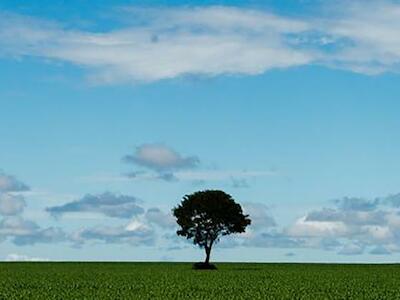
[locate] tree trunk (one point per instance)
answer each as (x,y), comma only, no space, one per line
(208,251)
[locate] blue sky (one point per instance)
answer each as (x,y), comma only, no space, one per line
(112,111)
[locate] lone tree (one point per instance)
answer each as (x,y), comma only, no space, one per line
(205,216)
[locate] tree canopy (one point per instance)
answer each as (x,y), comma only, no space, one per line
(205,216)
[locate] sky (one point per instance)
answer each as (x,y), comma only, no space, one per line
(112,111)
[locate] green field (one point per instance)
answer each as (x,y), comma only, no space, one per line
(178,281)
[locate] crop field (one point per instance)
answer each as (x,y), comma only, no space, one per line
(178,281)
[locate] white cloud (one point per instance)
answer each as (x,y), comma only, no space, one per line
(11,204)
(136,225)
(206,41)
(379,233)
(17,226)
(137,232)
(9,183)
(358,223)
(353,226)
(13,226)
(134,233)
(369,34)
(156,216)
(304,228)
(21,257)
(261,218)
(393,220)
(217,17)
(25,232)
(160,158)
(167,43)
(161,162)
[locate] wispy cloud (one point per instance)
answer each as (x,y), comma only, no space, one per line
(166,43)
(365,35)
(173,42)
(205,41)
(220,175)
(161,162)
(194,176)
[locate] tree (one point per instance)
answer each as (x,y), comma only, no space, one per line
(205,216)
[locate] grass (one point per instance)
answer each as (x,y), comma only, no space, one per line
(177,281)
